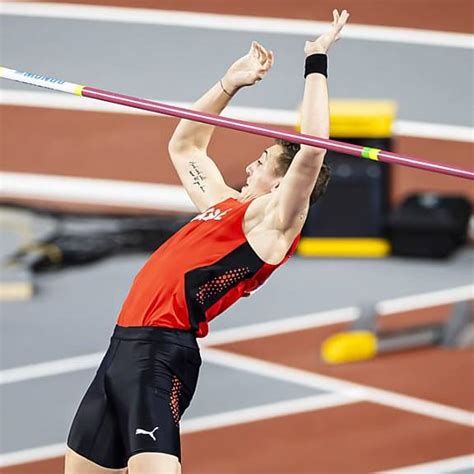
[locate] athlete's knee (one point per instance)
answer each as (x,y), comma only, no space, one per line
(154,463)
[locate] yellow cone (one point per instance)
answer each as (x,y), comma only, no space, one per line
(349,346)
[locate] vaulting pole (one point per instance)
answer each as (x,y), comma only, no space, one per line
(219,121)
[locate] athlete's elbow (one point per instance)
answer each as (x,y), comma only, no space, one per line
(178,147)
(312,156)
(175,146)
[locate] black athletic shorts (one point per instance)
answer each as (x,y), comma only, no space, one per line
(142,387)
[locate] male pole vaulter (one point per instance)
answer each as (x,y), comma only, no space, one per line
(128,421)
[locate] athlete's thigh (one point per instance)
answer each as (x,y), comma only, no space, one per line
(154,463)
(94,432)
(77,464)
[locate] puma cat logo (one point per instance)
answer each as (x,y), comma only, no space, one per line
(150,433)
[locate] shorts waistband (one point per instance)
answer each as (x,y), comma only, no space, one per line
(155,333)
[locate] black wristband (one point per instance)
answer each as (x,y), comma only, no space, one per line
(316,63)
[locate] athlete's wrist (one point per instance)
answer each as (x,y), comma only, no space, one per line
(228,87)
(316,63)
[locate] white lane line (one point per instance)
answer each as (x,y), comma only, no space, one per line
(325,318)
(33,454)
(210,422)
(280,117)
(280,326)
(96,191)
(444,466)
(268,411)
(435,131)
(48,369)
(313,380)
(52,100)
(425,300)
(252,331)
(236,23)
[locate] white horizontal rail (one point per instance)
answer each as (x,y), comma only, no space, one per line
(163,197)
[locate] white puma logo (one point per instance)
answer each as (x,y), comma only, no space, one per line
(150,433)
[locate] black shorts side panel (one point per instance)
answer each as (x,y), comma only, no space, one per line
(142,388)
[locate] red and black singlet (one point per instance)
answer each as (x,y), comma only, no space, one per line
(198,273)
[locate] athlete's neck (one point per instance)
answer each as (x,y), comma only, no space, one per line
(246,196)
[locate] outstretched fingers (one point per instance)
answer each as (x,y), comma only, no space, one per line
(341,19)
(339,22)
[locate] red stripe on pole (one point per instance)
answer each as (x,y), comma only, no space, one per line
(240,125)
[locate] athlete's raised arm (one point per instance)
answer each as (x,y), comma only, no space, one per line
(293,194)
(188,145)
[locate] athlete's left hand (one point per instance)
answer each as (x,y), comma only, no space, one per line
(326,40)
(249,69)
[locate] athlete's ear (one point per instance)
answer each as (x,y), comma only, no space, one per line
(275,186)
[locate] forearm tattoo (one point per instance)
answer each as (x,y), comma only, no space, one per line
(197,175)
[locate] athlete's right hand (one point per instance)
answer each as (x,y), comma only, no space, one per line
(249,69)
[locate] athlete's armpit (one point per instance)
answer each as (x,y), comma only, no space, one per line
(197,175)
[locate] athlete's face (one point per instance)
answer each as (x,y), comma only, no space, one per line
(262,175)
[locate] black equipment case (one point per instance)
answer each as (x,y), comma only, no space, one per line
(429,225)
